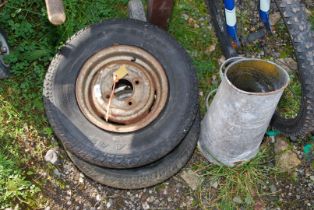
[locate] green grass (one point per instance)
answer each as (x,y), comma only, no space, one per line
(33,42)
(185,26)
(290,103)
(15,189)
(244,181)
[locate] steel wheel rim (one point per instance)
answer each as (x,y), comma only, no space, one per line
(139,97)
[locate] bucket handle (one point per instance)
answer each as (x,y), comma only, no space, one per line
(208,96)
(222,69)
(226,63)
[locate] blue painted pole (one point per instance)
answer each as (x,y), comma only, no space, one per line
(264,13)
(231,20)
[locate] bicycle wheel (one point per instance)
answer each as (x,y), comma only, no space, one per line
(4,50)
(292,40)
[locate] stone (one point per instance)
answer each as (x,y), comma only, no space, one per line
(211,48)
(150,199)
(281,145)
(192,179)
(312,178)
(156,202)
(287,161)
(101,207)
(136,10)
(273,188)
(221,60)
(274,18)
(52,156)
(67,168)
(237,200)
(191,22)
(109,203)
(214,184)
(145,206)
(98,197)
(81,178)
(56,172)
(185,16)
(308,12)
(69,192)
(259,205)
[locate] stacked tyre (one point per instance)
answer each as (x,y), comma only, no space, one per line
(122,98)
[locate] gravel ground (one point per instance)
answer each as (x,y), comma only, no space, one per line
(294,191)
(81,192)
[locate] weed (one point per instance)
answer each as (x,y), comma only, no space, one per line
(290,104)
(33,42)
(243,181)
(190,26)
(15,189)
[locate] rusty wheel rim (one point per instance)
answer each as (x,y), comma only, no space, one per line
(139,97)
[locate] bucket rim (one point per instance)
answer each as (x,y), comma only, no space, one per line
(227,63)
(256,93)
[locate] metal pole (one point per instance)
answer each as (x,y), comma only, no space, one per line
(231,20)
(264,13)
(159,12)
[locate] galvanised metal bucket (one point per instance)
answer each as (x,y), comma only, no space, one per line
(237,119)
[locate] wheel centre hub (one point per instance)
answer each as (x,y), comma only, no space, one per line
(132,102)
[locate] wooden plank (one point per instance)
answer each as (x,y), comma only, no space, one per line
(159,12)
(55,10)
(3,2)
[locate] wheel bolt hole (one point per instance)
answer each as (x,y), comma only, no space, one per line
(130,103)
(107,96)
(137,82)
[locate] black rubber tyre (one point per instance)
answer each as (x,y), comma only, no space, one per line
(148,175)
(121,150)
(302,38)
(4,68)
